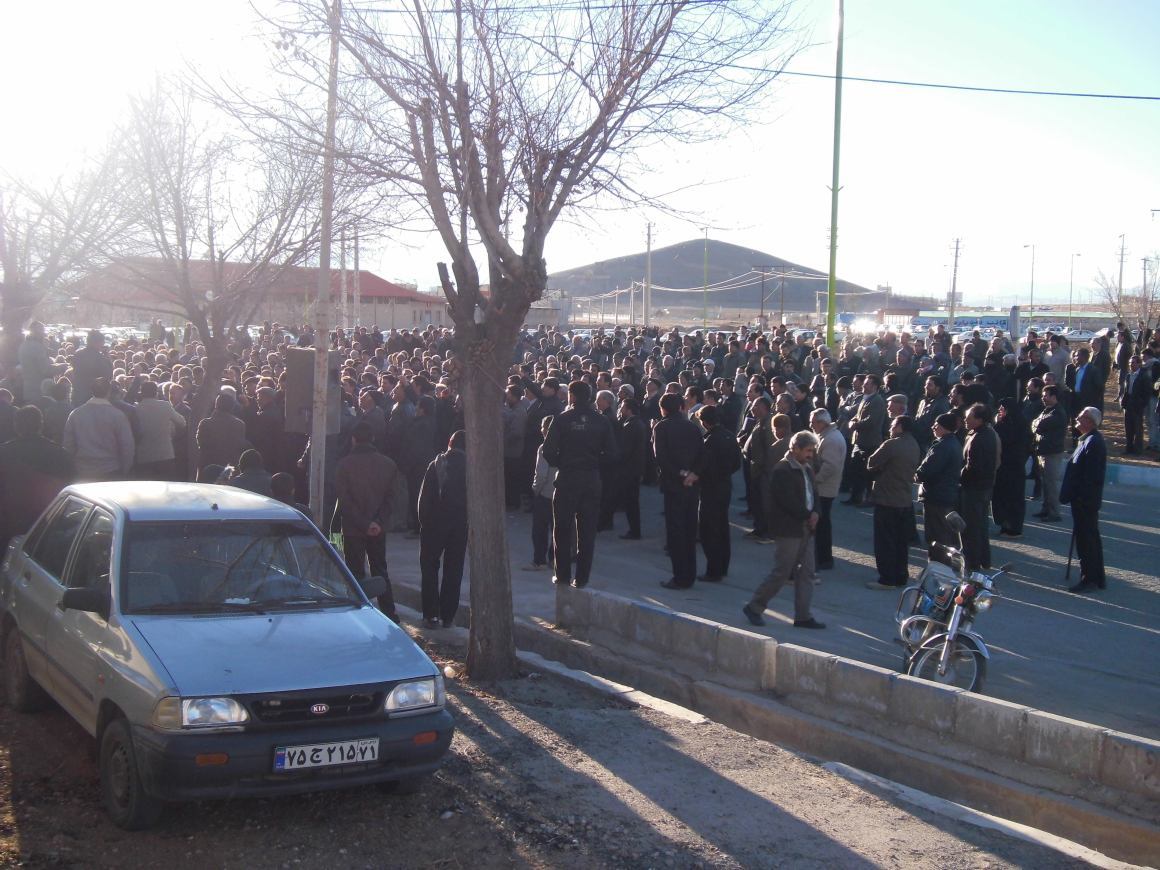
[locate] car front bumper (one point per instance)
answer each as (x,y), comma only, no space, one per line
(170,769)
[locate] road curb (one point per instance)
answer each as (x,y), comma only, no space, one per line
(924,751)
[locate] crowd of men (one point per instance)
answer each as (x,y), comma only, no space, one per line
(590,418)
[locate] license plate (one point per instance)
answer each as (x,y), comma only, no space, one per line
(287,758)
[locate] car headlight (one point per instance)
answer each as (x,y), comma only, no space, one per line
(416,695)
(176,713)
(983,601)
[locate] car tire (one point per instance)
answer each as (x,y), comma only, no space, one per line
(129,806)
(402,787)
(23,692)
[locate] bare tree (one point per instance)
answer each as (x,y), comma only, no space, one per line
(1139,304)
(495,119)
(51,234)
(220,219)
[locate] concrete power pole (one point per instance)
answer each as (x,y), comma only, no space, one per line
(646,293)
(1120,282)
(954,290)
(322,303)
(357,291)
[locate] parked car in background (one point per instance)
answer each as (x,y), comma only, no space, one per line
(215,646)
(1079,335)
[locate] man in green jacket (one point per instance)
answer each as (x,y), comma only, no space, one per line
(891,469)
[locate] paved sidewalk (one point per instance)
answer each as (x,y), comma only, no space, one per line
(1094,658)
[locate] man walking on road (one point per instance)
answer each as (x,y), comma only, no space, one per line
(680,455)
(1083,489)
(365,481)
(578,442)
(443,531)
(792,522)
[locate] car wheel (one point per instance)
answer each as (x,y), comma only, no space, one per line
(24,694)
(407,785)
(125,799)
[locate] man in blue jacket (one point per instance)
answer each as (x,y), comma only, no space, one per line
(1083,489)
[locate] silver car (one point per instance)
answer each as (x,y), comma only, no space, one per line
(215,646)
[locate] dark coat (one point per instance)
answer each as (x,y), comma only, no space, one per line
(418,448)
(678,447)
(1091,390)
(32,471)
(580,441)
(1014,444)
(221,438)
(1083,478)
(788,512)
(938,473)
(891,468)
(443,493)
(1050,430)
(365,483)
(980,459)
(267,432)
(632,439)
(722,461)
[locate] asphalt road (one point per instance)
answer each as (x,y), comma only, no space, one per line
(1095,658)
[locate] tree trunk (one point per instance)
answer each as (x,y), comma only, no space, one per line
(491,653)
(16,307)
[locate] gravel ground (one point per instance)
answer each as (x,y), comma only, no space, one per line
(542,773)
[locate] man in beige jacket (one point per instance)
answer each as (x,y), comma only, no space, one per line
(891,470)
(828,465)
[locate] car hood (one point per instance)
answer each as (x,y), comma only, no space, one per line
(281,652)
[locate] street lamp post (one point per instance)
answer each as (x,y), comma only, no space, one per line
(1070,289)
(1031,301)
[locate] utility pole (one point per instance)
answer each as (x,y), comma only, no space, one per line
(705,286)
(1031,302)
(781,314)
(616,309)
(342,282)
(832,288)
(318,427)
(1120,282)
(954,290)
(646,294)
(357,291)
(761,316)
(1070,289)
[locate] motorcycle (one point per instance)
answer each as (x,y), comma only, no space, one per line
(936,619)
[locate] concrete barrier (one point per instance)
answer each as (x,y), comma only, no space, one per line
(701,650)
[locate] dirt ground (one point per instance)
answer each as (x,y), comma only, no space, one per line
(542,773)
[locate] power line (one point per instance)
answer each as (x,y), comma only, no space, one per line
(571,6)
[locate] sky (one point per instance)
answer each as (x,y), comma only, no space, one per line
(919,167)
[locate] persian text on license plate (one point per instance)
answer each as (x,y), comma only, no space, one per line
(288,758)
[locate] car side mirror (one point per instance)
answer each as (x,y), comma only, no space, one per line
(373,586)
(89,600)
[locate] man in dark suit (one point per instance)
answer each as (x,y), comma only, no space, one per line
(866,428)
(976,484)
(792,523)
(1135,391)
(722,460)
(632,439)
(1086,381)
(1083,489)
(680,457)
(443,531)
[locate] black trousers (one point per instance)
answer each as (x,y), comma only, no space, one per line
(715,532)
(414,482)
(575,508)
(681,533)
(1088,545)
(824,534)
(757,500)
(1134,428)
(974,506)
(620,491)
(1008,501)
(441,595)
(856,475)
(541,529)
(937,531)
(892,544)
(357,551)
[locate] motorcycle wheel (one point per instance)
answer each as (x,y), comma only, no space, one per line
(966,667)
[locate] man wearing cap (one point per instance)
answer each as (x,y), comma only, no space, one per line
(1083,489)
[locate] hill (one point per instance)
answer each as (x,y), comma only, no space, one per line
(737,271)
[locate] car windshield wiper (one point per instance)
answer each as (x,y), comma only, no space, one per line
(201,607)
(323,600)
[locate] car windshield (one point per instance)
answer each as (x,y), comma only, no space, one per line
(224,566)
